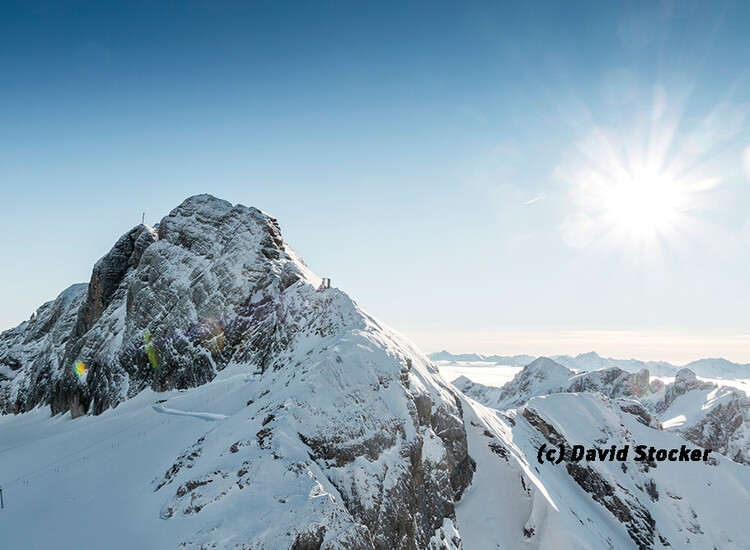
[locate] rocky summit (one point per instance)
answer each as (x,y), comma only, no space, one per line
(167,307)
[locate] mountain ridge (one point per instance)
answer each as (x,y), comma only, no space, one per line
(708,367)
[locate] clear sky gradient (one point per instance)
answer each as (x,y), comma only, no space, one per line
(472,173)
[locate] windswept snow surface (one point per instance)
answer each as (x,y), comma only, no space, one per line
(73,477)
(514,502)
(517,503)
(87,483)
(302,422)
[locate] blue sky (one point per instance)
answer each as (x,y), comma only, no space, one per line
(469,172)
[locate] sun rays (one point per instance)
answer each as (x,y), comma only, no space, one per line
(638,190)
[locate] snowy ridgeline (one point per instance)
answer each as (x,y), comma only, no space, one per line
(223,400)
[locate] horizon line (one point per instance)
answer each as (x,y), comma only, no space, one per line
(678,346)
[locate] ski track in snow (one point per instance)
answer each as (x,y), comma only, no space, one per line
(10,448)
(207,416)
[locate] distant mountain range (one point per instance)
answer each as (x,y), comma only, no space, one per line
(707,368)
(511,360)
(712,416)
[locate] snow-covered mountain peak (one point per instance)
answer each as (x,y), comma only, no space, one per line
(341,418)
(213,228)
(539,377)
(302,422)
(166,307)
(685,376)
(546,367)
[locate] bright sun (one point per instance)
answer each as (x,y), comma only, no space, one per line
(640,193)
(643,205)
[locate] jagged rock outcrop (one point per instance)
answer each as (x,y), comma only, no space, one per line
(629,490)
(684,381)
(310,425)
(613,382)
(592,361)
(545,376)
(714,417)
(593,503)
(166,307)
(30,358)
(724,427)
(109,272)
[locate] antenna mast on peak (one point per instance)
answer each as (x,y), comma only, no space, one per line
(143,219)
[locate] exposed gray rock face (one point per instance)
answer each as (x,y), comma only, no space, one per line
(29,353)
(716,417)
(163,309)
(724,428)
(109,272)
(342,407)
(639,495)
(684,382)
(612,382)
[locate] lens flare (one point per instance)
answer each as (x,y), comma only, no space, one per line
(80,369)
(212,334)
(151,351)
(636,201)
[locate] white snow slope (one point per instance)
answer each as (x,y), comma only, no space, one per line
(517,503)
(243,478)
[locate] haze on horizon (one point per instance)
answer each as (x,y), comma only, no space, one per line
(533,178)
